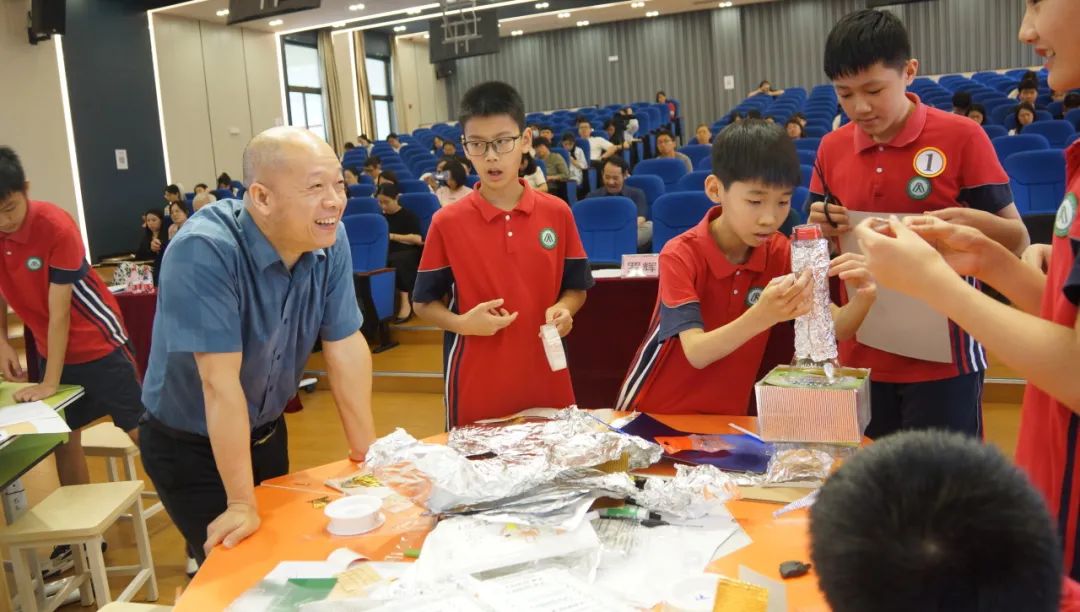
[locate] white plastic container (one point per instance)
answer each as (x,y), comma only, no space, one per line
(354,515)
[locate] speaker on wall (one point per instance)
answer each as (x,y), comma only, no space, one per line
(45,19)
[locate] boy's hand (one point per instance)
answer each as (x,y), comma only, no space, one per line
(837,213)
(1038,256)
(964,248)
(960,215)
(561,318)
(35,393)
(486,319)
(898,258)
(9,364)
(851,268)
(785,298)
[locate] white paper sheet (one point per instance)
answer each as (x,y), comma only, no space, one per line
(30,418)
(898,323)
(548,590)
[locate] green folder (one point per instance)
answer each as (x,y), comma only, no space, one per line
(20,453)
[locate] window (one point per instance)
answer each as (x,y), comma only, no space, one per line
(304,86)
(380,86)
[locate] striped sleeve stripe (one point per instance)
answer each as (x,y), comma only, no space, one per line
(639,370)
(86,295)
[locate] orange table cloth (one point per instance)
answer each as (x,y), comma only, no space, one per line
(293,529)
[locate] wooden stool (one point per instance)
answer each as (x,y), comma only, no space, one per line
(109,441)
(79,515)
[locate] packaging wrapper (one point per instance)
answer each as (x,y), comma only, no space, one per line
(800,405)
(134,278)
(693,493)
(543,472)
(815,334)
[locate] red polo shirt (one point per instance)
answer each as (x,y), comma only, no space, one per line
(1049,444)
(49,249)
(938,160)
(528,256)
(701,289)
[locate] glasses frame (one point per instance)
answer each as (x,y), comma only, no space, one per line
(489,145)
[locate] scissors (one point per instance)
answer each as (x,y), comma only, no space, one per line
(829,197)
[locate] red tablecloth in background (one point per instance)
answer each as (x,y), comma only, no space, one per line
(609,329)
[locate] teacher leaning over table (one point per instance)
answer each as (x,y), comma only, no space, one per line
(246,289)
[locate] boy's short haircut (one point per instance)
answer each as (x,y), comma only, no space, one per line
(172,189)
(546,127)
(862,39)
(931,520)
(349,146)
(203,185)
(540,141)
(979,108)
(389,175)
(392,135)
(389,190)
(581,120)
(753,114)
(12,175)
(1028,84)
(961,99)
(1071,101)
(568,136)
(754,150)
(664,132)
(224,179)
(372,161)
(619,162)
(492,98)
(609,124)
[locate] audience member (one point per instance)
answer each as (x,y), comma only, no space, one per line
(179,216)
(201,187)
(614,136)
(203,199)
(1071,102)
(532,173)
(350,175)
(437,145)
(931,520)
(734,117)
(373,167)
(224,181)
(961,102)
(977,113)
(405,246)
(1025,116)
(455,187)
(394,141)
(1028,92)
(801,118)
(661,98)
(348,146)
(172,194)
(578,163)
(386,176)
(449,151)
(765,88)
(628,123)
(753,114)
(614,176)
(154,240)
(556,171)
(794,128)
(1057,96)
(365,142)
(599,148)
(547,133)
(702,135)
(665,147)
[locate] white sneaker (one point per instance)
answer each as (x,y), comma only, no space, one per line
(192,567)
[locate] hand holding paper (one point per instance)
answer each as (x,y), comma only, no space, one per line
(836,213)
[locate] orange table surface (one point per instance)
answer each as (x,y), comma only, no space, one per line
(294,530)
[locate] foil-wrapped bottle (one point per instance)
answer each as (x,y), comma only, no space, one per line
(815,334)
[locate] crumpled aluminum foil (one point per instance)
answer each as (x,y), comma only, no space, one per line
(815,334)
(693,493)
(538,472)
(795,464)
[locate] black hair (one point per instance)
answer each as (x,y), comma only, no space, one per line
(1071,101)
(764,82)
(864,38)
(457,171)
(795,121)
(753,114)
(389,190)
(734,116)
(349,146)
(962,99)
(160,216)
(172,189)
(449,142)
(931,520)
(978,108)
(582,119)
(754,150)
(530,165)
(492,98)
(798,115)
(540,140)
(350,169)
(1016,114)
(372,161)
(547,127)
(224,179)
(619,162)
(609,124)
(1029,75)
(203,185)
(1027,84)
(567,136)
(389,175)
(12,175)
(363,137)
(660,93)
(393,135)
(664,132)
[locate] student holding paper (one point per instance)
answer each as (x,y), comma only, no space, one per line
(900,156)
(1039,334)
(725,283)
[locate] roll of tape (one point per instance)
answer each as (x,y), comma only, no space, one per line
(354,515)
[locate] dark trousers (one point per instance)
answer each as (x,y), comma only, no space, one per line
(952,404)
(405,262)
(181,465)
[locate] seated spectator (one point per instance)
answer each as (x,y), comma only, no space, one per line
(1071,102)
(578,163)
(961,103)
(765,89)
(349,146)
(702,135)
(614,135)
(386,176)
(179,216)
(405,246)
(801,118)
(1025,116)
(203,199)
(929,520)
(977,113)
(547,133)
(455,187)
(365,142)
(661,98)
(735,117)
(628,123)
(201,187)
(615,172)
(794,128)
(557,172)
(665,147)
(173,195)
(394,142)
(224,181)
(753,114)
(155,239)
(1057,96)
(599,148)
(532,173)
(449,151)
(1028,93)
(437,145)
(351,177)
(373,167)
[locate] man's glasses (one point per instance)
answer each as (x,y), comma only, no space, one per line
(478,148)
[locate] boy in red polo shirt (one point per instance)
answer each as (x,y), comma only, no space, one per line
(46,280)
(1039,334)
(725,283)
(900,156)
(498,265)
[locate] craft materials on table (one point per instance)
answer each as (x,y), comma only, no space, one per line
(31,418)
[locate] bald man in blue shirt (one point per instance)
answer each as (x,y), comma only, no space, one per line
(246,289)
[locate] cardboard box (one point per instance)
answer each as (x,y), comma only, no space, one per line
(792,413)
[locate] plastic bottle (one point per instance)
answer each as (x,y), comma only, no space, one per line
(815,334)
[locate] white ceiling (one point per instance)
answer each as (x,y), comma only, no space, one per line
(383,13)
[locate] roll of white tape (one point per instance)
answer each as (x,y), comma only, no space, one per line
(354,515)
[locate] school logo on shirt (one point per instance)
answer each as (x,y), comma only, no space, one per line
(930,162)
(753,296)
(33,264)
(548,238)
(1066,214)
(918,188)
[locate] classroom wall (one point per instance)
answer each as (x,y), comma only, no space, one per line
(688,54)
(419,97)
(219,87)
(343,64)
(32,119)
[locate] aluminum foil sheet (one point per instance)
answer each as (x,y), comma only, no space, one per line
(815,335)
(795,463)
(693,493)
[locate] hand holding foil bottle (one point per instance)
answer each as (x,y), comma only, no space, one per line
(815,335)
(784,298)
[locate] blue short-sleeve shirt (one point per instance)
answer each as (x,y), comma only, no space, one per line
(224,289)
